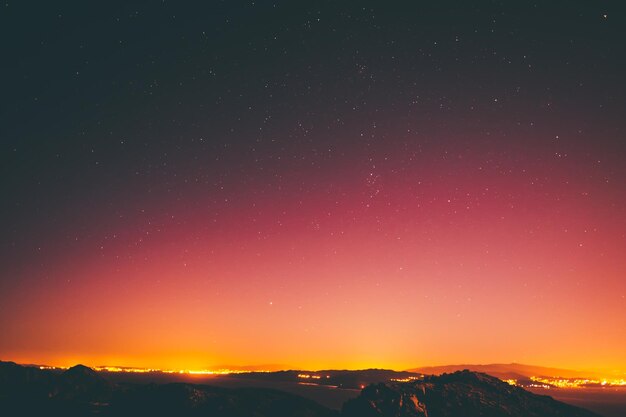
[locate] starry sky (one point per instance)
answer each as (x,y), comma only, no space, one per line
(329,184)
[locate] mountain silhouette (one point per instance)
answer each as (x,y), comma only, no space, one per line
(80,383)
(180,399)
(81,371)
(81,391)
(463,393)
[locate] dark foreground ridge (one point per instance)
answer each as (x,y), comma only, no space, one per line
(459,394)
(80,391)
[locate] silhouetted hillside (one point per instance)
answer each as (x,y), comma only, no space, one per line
(204,400)
(462,393)
(80,391)
(81,383)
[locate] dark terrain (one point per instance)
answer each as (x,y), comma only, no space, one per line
(78,391)
(337,378)
(462,393)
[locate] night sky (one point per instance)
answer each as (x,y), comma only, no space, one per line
(329,184)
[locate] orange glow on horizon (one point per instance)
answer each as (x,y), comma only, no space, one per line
(395,284)
(537,382)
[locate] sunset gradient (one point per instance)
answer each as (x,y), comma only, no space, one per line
(380,220)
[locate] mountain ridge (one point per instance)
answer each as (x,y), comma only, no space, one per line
(80,391)
(462,393)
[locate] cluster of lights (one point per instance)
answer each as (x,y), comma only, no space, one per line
(118,369)
(544,386)
(215,372)
(206,371)
(577,383)
(547,383)
(407,379)
(311,376)
(156,370)
(537,382)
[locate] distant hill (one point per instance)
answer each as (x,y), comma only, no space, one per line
(463,393)
(80,383)
(504,371)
